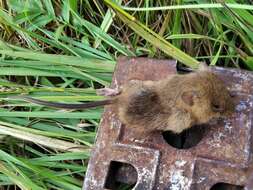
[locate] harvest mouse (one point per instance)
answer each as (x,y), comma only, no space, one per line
(174,103)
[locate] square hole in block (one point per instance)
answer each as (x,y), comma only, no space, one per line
(120,176)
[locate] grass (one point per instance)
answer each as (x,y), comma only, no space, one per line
(64,49)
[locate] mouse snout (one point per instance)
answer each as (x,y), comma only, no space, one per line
(230,106)
(227,110)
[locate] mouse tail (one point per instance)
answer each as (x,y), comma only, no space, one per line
(65,105)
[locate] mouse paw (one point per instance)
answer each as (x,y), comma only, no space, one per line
(108,92)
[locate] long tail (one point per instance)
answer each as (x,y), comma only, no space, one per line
(63,105)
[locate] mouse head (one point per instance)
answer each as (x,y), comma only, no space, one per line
(206,96)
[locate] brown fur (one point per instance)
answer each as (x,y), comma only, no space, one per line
(175,103)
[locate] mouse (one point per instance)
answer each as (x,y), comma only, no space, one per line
(175,103)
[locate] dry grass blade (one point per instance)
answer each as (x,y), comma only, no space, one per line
(42,140)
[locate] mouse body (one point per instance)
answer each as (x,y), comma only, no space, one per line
(175,103)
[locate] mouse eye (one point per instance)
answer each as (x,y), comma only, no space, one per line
(216,107)
(232,94)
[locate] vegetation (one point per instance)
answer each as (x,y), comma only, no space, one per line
(63,50)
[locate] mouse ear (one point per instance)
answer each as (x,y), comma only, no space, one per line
(203,67)
(188,97)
